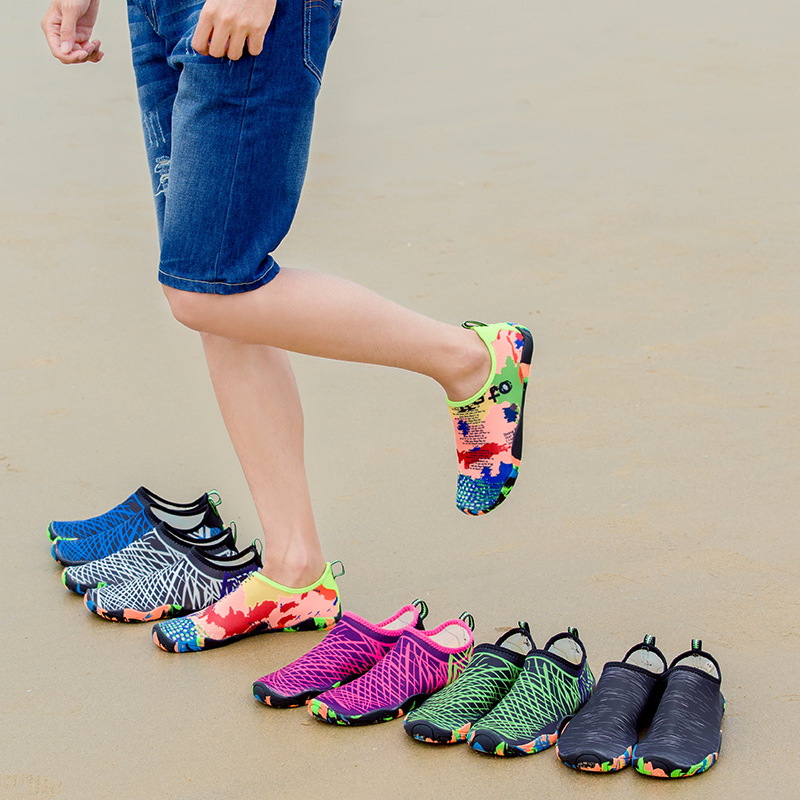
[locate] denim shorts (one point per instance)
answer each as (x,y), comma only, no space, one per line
(227,141)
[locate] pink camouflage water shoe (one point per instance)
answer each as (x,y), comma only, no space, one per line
(488,425)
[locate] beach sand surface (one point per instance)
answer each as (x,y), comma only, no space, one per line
(622,177)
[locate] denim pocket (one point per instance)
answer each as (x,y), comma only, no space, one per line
(320,18)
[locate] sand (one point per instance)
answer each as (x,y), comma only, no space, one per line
(621,177)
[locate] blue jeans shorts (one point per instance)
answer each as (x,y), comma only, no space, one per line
(227,141)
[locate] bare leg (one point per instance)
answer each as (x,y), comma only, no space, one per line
(322,315)
(258,397)
(245,337)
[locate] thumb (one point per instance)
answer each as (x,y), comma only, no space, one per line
(69,20)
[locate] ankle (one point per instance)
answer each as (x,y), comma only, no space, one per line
(294,572)
(468,368)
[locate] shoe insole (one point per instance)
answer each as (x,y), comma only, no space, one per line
(451,636)
(518,643)
(405,619)
(568,649)
(699,662)
(180,521)
(646,659)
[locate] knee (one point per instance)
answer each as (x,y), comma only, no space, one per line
(191,309)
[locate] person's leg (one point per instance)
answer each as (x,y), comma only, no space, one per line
(240,139)
(326,316)
(258,398)
(257,395)
(484,370)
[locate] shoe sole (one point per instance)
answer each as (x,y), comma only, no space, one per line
(516,446)
(589,763)
(432,734)
(72,585)
(79,588)
(65,562)
(268,697)
(54,537)
(134,615)
(168,645)
(321,711)
(651,770)
(493,745)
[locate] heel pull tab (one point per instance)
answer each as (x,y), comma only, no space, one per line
(257,545)
(523,630)
(422,607)
(214,499)
(526,631)
(573,632)
(339,566)
(697,645)
(469,619)
(649,641)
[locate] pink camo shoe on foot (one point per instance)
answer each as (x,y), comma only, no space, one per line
(488,425)
(421,663)
(257,605)
(353,646)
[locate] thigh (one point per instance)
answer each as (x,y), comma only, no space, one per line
(240,141)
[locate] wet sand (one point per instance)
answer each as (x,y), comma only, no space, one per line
(621,177)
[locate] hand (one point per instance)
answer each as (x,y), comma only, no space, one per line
(225,26)
(67,26)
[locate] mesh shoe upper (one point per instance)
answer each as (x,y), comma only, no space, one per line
(81,551)
(191,583)
(352,646)
(549,688)
(156,549)
(447,715)
(416,666)
(81,528)
(141,499)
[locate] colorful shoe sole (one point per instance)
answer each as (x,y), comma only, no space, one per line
(486,744)
(656,771)
(271,698)
(133,615)
(170,646)
(322,712)
(430,733)
(589,764)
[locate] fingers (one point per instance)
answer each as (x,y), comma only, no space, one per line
(236,44)
(88,51)
(54,42)
(229,27)
(95,54)
(81,52)
(69,21)
(255,43)
(202,33)
(67,27)
(218,38)
(51,25)
(77,56)
(218,46)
